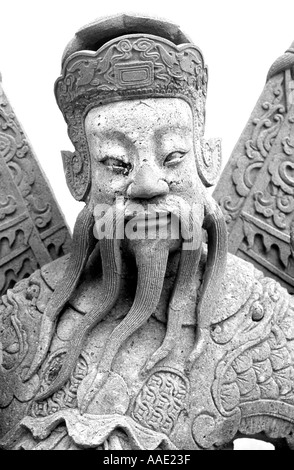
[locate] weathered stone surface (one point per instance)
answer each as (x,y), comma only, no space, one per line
(256,188)
(32,228)
(143,337)
(242,383)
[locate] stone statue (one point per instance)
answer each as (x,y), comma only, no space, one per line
(145,336)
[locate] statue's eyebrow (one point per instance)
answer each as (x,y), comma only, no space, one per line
(179,129)
(128,142)
(117,135)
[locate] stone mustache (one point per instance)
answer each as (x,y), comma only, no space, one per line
(137,342)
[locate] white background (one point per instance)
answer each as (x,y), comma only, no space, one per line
(239,40)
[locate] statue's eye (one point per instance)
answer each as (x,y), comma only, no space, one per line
(174,158)
(117,165)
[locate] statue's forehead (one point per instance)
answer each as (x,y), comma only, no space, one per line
(154,114)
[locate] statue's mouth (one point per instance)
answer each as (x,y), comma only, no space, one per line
(149,219)
(171,219)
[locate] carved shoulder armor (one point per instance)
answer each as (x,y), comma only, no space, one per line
(249,363)
(21,310)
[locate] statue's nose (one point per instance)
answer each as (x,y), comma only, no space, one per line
(147,184)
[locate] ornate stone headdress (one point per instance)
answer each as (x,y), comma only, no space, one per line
(96,71)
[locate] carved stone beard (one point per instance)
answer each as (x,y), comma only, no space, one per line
(151,260)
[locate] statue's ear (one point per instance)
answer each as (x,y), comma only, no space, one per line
(77,174)
(208,159)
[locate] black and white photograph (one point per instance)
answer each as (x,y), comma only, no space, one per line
(147,228)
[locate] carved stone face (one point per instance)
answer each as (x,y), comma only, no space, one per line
(142,150)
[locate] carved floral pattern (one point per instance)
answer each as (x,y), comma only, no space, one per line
(256,149)
(7,207)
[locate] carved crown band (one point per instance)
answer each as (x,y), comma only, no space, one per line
(128,67)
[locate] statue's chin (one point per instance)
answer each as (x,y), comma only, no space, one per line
(172,245)
(156,233)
